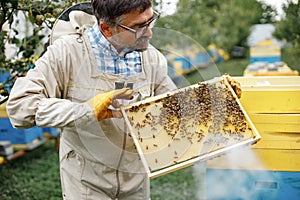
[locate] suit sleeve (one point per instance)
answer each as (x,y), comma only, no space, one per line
(38,98)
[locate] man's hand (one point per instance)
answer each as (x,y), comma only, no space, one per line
(101,102)
(236,86)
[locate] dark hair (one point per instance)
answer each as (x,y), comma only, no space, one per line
(110,10)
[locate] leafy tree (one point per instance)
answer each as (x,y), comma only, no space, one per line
(289,27)
(226,23)
(269,14)
(194,18)
(39,17)
(234,22)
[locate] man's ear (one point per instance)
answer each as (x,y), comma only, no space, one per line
(106,30)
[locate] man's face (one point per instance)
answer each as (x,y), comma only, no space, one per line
(133,32)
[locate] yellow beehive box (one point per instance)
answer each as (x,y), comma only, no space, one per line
(278,140)
(270,94)
(280,81)
(284,123)
(265,48)
(3,113)
(279,159)
(282,71)
(272,104)
(278,131)
(263,100)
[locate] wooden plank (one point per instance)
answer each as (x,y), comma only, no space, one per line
(30,146)
(15,155)
(278,94)
(285,123)
(277,140)
(268,82)
(267,101)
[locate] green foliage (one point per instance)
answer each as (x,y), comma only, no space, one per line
(194,19)
(39,17)
(225,23)
(269,15)
(289,28)
(234,21)
(179,185)
(291,56)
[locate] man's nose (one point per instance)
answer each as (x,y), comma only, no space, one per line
(148,32)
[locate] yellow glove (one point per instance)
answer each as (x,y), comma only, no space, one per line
(236,86)
(101,102)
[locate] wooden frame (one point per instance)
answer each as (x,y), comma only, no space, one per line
(176,129)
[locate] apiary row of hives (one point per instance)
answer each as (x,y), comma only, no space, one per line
(198,122)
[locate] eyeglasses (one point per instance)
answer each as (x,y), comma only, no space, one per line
(139,32)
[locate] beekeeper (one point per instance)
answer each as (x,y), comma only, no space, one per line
(77,83)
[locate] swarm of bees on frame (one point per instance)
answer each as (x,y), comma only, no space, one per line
(193,113)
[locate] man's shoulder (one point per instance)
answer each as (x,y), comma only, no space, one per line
(70,42)
(153,51)
(70,39)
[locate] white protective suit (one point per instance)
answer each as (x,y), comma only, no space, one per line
(97,159)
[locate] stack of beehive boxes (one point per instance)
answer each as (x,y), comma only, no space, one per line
(270,168)
(19,138)
(265,51)
(273,104)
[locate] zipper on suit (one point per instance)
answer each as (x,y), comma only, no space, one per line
(118,184)
(117,171)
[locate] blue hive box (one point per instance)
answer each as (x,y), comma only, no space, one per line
(225,184)
(18,136)
(54,132)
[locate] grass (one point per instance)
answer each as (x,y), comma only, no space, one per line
(35,176)
(234,67)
